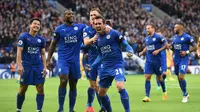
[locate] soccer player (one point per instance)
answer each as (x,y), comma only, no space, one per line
(31,61)
(198,50)
(154,45)
(90,37)
(163,64)
(180,44)
(110,56)
(69,38)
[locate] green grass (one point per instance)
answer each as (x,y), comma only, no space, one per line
(134,86)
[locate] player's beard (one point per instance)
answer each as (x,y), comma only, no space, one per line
(176,32)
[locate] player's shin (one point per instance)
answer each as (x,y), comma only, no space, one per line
(125,100)
(91,94)
(72,99)
(20,100)
(106,103)
(39,100)
(61,96)
(147,87)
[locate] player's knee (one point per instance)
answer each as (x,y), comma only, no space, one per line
(93,85)
(63,82)
(22,90)
(120,86)
(181,77)
(102,93)
(40,89)
(148,77)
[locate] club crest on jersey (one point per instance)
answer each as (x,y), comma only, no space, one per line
(84,34)
(108,36)
(39,40)
(76,28)
(20,42)
(182,38)
(154,39)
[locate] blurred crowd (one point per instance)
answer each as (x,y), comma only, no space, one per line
(15,16)
(127,15)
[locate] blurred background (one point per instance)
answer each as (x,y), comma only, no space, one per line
(127,16)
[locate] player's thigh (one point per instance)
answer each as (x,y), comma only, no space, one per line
(148,68)
(63,67)
(183,67)
(92,75)
(74,71)
(157,68)
(39,79)
(105,79)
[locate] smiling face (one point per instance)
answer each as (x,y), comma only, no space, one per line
(178,28)
(150,30)
(93,14)
(69,16)
(35,25)
(99,25)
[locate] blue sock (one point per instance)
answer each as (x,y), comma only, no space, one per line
(125,100)
(162,83)
(106,103)
(99,100)
(183,87)
(61,97)
(164,77)
(147,87)
(20,100)
(91,94)
(158,83)
(39,100)
(72,99)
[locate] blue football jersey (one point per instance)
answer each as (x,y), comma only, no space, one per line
(154,43)
(181,43)
(109,48)
(70,40)
(32,46)
(92,49)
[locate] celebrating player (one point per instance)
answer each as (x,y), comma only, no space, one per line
(155,44)
(31,61)
(180,44)
(112,63)
(69,38)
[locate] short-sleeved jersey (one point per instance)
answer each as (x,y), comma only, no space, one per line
(31,55)
(92,49)
(181,43)
(70,40)
(109,48)
(154,43)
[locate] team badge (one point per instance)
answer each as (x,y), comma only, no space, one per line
(75,28)
(39,40)
(182,39)
(20,42)
(108,36)
(154,39)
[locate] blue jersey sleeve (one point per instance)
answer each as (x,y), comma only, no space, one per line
(163,40)
(43,43)
(86,33)
(20,41)
(191,41)
(119,35)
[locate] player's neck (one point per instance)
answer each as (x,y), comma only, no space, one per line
(102,33)
(32,33)
(152,34)
(180,33)
(68,24)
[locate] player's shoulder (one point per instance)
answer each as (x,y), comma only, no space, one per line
(187,35)
(87,28)
(116,33)
(41,38)
(58,28)
(23,35)
(79,25)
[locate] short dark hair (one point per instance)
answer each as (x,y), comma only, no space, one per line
(37,19)
(96,9)
(152,25)
(101,17)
